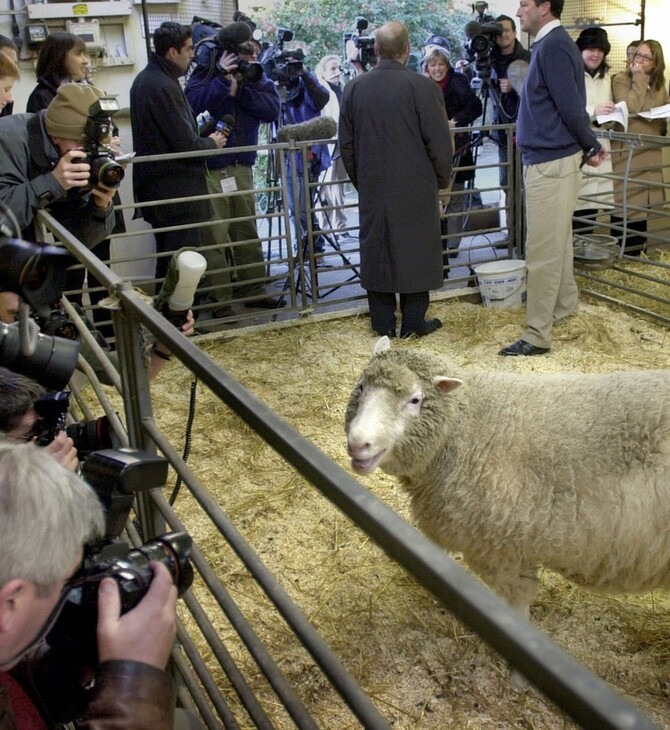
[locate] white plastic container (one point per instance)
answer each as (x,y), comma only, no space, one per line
(502,283)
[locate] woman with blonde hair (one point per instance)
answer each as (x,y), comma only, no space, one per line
(9,73)
(642,87)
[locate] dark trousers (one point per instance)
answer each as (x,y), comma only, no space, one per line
(171,241)
(382,311)
(582,227)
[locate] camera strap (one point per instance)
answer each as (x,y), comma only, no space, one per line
(40,163)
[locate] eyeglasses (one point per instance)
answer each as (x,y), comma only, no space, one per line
(643,57)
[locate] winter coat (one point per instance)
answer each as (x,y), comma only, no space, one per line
(647,160)
(463,107)
(396,147)
(27,184)
(163,122)
(253,104)
(42,94)
(594,180)
(126,694)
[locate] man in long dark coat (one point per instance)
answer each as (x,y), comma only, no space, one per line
(163,122)
(396,148)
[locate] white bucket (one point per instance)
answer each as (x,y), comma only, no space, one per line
(502,283)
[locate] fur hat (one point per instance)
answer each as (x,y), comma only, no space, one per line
(593,37)
(68,111)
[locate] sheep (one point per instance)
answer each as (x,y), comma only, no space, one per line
(518,471)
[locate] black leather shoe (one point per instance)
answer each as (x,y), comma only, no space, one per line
(265,303)
(521,347)
(426,328)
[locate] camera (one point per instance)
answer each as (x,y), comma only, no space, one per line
(87,436)
(364,44)
(282,66)
(104,168)
(116,475)
(215,40)
(480,41)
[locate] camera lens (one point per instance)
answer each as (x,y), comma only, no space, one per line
(106,171)
(89,436)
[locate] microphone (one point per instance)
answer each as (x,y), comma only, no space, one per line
(309,131)
(178,291)
(225,126)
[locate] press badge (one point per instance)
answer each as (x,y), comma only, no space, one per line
(228,185)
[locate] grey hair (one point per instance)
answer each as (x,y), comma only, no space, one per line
(47,514)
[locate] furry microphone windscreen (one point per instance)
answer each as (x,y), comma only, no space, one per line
(309,131)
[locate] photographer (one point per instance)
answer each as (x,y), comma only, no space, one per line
(62,514)
(506,50)
(305,98)
(41,167)
(18,417)
(228,82)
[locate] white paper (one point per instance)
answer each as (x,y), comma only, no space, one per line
(656,112)
(619,115)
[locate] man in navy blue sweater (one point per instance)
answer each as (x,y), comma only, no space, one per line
(555,139)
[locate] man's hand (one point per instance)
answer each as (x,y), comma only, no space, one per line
(145,634)
(596,159)
(505,86)
(102,196)
(70,172)
(219,139)
(228,62)
(62,449)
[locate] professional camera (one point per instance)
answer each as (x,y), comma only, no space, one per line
(36,273)
(104,168)
(282,66)
(215,40)
(87,436)
(480,41)
(364,44)
(57,324)
(117,475)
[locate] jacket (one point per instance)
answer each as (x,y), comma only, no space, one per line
(253,104)
(42,95)
(126,695)
(27,184)
(163,122)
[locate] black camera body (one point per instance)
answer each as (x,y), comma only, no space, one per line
(364,44)
(282,66)
(104,168)
(480,42)
(87,436)
(116,475)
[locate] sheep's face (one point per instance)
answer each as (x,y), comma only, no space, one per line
(389,415)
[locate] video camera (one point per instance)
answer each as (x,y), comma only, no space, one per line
(234,38)
(104,168)
(282,66)
(116,475)
(364,44)
(36,273)
(480,40)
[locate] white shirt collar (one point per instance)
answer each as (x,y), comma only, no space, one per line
(546,29)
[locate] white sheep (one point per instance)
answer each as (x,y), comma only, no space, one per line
(518,471)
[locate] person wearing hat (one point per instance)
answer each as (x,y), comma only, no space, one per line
(41,167)
(463,107)
(596,190)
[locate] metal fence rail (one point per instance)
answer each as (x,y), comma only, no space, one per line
(235,701)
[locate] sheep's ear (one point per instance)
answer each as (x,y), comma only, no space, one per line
(446,385)
(382,345)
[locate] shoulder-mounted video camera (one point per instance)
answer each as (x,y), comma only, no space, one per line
(364,43)
(282,65)
(104,168)
(117,475)
(480,41)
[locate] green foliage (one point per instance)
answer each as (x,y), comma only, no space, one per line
(318,25)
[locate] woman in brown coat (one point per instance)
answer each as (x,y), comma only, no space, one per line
(642,87)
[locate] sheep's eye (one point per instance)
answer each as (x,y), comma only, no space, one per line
(415,401)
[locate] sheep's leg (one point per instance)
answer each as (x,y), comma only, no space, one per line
(518,588)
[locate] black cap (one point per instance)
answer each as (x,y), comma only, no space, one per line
(593,37)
